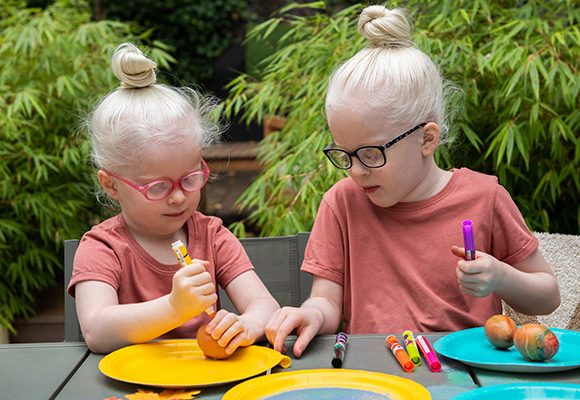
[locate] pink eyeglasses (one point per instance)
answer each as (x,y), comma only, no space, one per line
(160,189)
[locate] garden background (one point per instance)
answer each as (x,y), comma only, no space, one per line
(513,107)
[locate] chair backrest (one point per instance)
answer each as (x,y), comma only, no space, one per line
(563,254)
(277,261)
(72,329)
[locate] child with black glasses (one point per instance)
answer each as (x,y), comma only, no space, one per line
(386,247)
(147,143)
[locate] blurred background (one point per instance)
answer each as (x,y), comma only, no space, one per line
(512,68)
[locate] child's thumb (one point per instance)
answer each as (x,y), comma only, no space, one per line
(458,251)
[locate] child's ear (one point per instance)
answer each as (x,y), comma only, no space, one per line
(107,184)
(430,142)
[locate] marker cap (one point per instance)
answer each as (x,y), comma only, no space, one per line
(468,235)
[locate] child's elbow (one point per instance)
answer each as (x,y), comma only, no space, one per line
(93,344)
(556,299)
(553,301)
(96,344)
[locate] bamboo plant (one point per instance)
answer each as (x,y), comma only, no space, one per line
(54,64)
(515,62)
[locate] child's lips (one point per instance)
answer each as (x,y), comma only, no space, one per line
(178,214)
(370,189)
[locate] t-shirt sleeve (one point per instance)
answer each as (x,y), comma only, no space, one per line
(232,259)
(95,260)
(324,255)
(512,241)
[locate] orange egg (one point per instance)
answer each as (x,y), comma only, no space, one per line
(499,330)
(210,346)
(535,342)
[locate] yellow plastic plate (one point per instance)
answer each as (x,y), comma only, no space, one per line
(336,384)
(180,363)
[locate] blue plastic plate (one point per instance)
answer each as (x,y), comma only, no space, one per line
(520,391)
(471,347)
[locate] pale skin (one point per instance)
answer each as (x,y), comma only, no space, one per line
(108,325)
(529,286)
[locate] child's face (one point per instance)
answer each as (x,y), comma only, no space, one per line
(159,219)
(352,126)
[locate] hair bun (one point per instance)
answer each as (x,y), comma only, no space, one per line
(384,27)
(133,69)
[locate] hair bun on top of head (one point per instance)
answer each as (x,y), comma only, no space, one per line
(133,69)
(384,27)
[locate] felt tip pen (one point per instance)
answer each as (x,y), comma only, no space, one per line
(400,353)
(411,347)
(428,353)
(469,242)
(184,260)
(339,350)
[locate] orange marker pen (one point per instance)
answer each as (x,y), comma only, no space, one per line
(400,353)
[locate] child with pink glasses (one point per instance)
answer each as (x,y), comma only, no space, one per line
(147,144)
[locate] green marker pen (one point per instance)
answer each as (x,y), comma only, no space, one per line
(411,348)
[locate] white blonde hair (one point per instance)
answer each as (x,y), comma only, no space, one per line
(396,80)
(139,114)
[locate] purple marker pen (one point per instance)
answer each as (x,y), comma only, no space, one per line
(468,240)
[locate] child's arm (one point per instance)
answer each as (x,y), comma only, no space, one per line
(255,304)
(108,325)
(529,286)
(320,314)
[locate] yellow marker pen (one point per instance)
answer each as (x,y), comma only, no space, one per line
(184,259)
(411,348)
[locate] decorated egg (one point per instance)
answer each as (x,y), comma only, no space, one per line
(536,342)
(499,330)
(209,345)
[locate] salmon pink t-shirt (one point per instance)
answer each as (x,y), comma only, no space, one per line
(109,253)
(395,264)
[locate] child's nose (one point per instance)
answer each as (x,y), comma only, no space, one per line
(358,168)
(177,196)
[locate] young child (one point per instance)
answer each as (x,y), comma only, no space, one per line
(147,142)
(386,246)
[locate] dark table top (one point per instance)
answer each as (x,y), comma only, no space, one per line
(70,370)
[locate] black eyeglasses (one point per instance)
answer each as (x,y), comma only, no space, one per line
(369,156)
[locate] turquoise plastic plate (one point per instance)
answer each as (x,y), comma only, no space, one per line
(471,347)
(527,391)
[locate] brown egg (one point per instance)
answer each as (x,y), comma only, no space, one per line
(536,342)
(209,346)
(499,330)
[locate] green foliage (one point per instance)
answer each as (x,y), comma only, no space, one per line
(55,62)
(198,31)
(517,63)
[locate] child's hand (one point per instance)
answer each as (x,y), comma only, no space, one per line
(306,321)
(193,290)
(231,330)
(479,277)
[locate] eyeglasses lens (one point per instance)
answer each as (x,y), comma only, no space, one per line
(193,182)
(339,158)
(159,190)
(371,157)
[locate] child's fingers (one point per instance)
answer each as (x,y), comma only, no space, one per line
(273,325)
(218,316)
(304,338)
(200,279)
(205,263)
(235,329)
(226,322)
(458,251)
(234,343)
(470,267)
(192,269)
(290,323)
